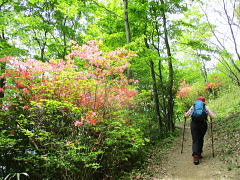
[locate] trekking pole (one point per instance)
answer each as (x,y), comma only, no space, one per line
(183,134)
(212,138)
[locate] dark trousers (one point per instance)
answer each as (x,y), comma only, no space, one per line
(198,130)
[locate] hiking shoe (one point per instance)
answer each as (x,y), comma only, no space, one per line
(196,160)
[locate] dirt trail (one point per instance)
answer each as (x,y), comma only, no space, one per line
(180,166)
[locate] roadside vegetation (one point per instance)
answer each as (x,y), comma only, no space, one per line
(227,127)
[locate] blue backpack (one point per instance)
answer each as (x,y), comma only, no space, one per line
(199,111)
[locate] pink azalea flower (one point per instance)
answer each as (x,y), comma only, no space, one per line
(26,90)
(94,113)
(78,123)
(68,143)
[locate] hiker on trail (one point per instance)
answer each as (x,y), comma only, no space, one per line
(198,112)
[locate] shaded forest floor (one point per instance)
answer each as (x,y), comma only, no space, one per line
(168,163)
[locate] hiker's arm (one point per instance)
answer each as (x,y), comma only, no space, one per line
(187,114)
(211,115)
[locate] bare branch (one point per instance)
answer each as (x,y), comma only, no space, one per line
(211,28)
(232,33)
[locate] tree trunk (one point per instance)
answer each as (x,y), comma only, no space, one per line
(64,40)
(128,33)
(42,51)
(155,96)
(2,69)
(204,71)
(170,123)
(127,27)
(164,108)
(1,86)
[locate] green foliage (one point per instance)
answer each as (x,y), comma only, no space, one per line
(45,136)
(228,101)
(227,68)
(237,10)
(9,50)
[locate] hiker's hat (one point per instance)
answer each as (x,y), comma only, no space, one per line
(200,98)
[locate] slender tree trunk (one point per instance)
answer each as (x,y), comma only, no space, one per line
(128,32)
(204,71)
(42,54)
(164,108)
(3,35)
(126,22)
(155,90)
(157,47)
(170,123)
(2,69)
(2,86)
(155,95)
(64,40)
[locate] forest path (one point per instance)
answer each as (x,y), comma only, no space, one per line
(176,166)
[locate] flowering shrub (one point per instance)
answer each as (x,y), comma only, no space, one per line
(91,80)
(68,116)
(214,84)
(186,95)
(184,90)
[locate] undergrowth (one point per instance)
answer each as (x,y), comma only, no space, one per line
(227,140)
(227,102)
(158,150)
(227,127)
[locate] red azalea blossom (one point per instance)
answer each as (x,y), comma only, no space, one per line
(184,90)
(209,86)
(92,121)
(212,85)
